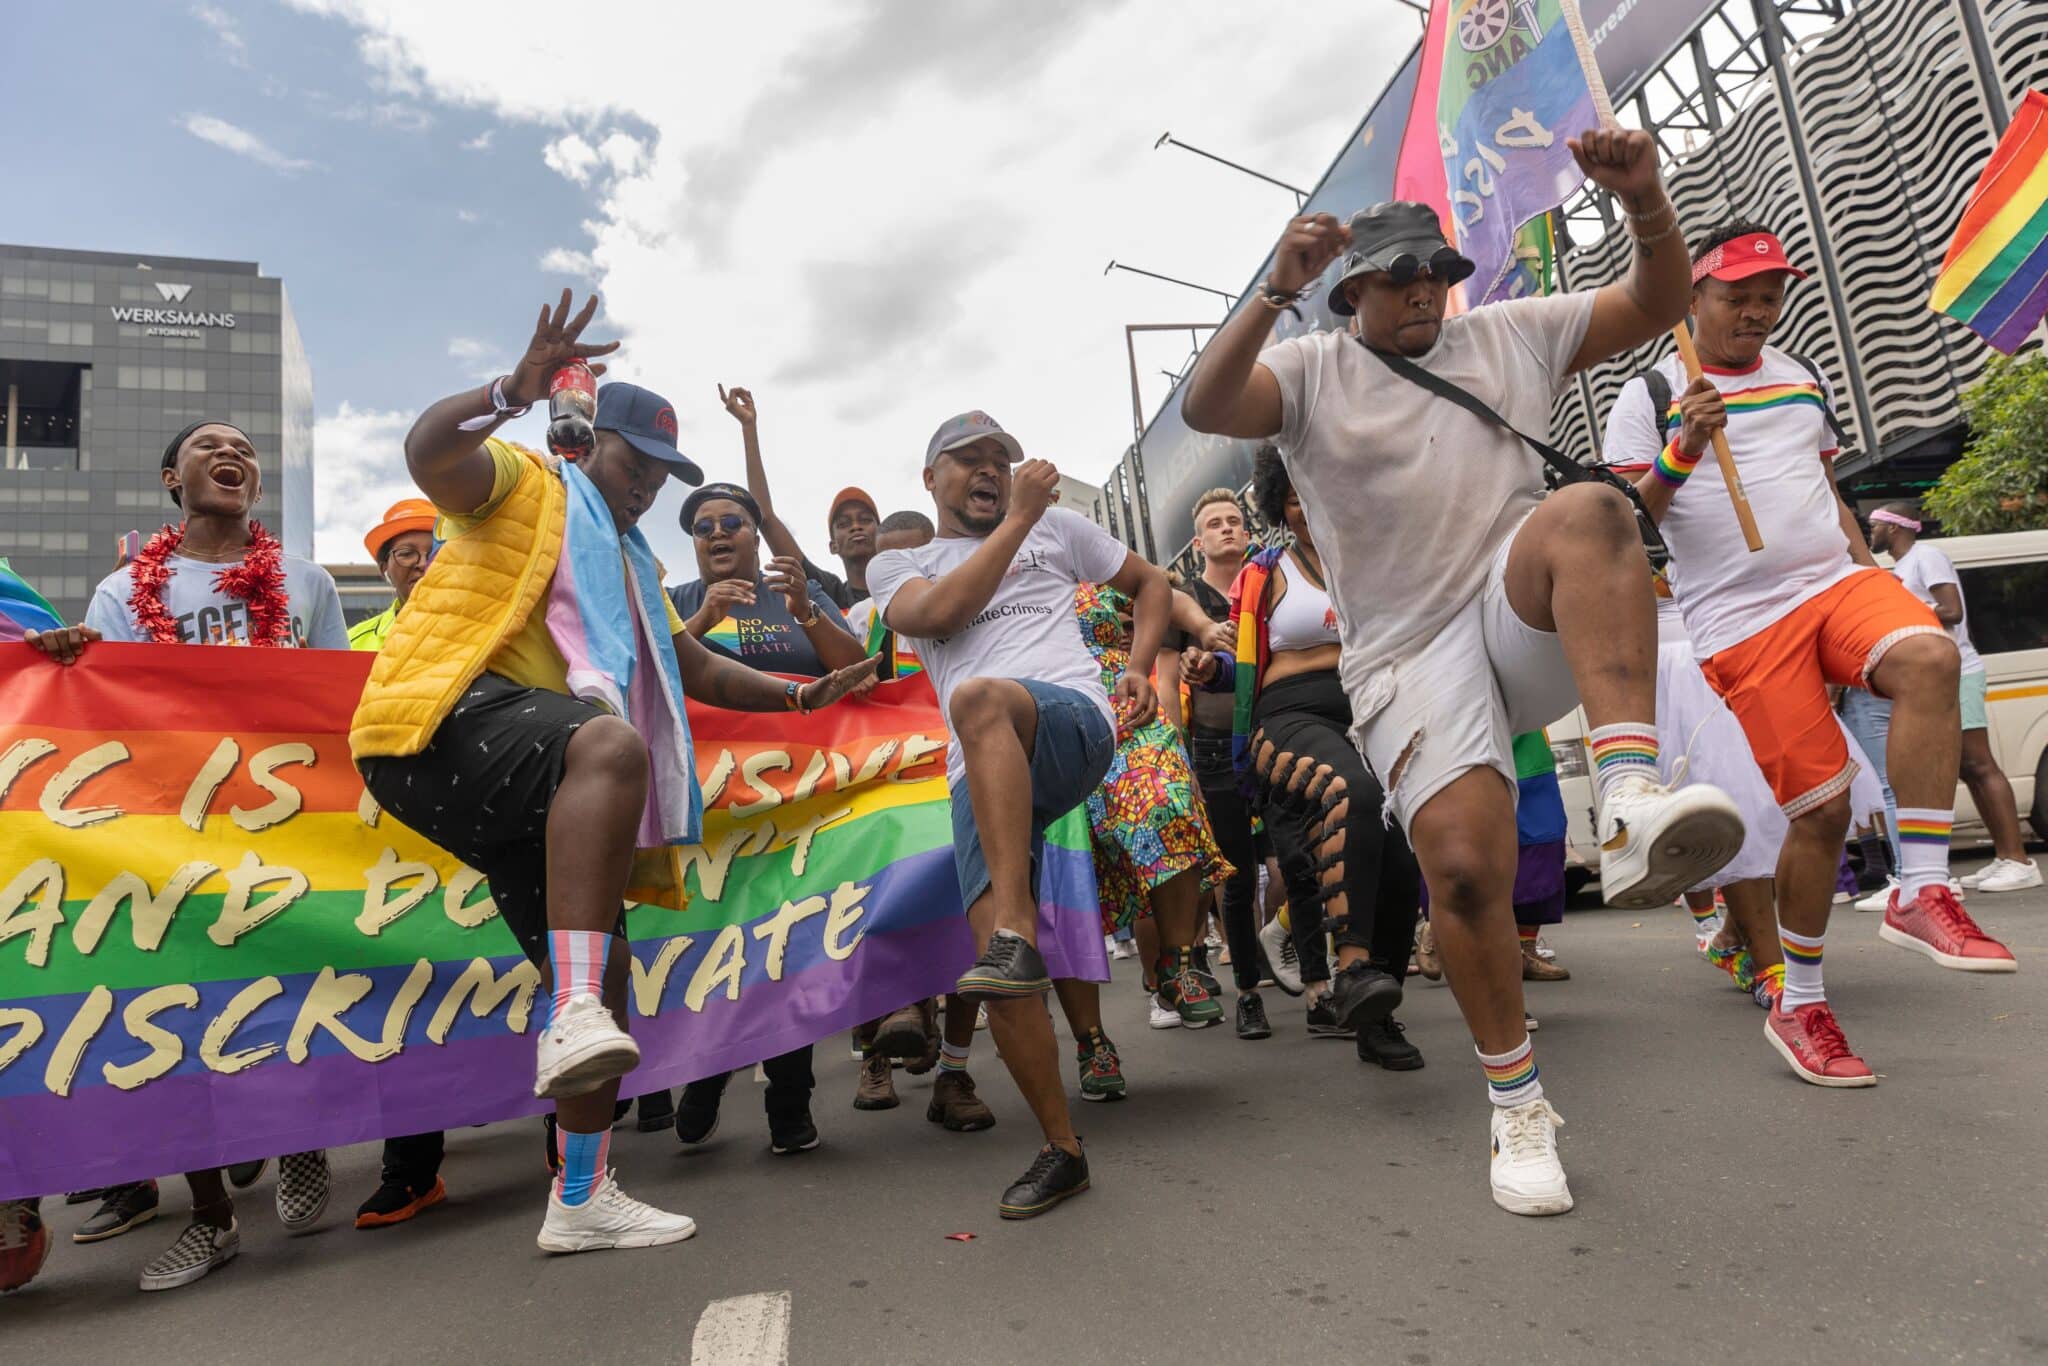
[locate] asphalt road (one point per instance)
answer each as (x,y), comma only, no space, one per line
(1275,1200)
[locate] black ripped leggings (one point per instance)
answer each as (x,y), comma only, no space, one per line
(1349,873)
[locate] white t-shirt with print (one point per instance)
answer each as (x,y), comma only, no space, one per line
(1027,629)
(1921,569)
(1408,495)
(206,616)
(1778,433)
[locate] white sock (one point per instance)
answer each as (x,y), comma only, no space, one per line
(1511,1076)
(1628,750)
(1802,970)
(1923,849)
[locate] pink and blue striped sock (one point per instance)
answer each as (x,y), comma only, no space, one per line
(1802,970)
(1923,849)
(1511,1076)
(579,958)
(582,1163)
(1622,751)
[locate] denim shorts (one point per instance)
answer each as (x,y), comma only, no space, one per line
(1070,754)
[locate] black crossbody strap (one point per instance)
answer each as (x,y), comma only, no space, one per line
(1563,469)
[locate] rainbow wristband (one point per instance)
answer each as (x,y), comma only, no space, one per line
(1673,466)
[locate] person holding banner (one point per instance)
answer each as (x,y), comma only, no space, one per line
(526,714)
(1773,629)
(990,604)
(1473,606)
(218,578)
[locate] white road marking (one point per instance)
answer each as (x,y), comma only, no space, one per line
(746,1330)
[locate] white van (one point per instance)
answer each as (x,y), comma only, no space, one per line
(2005,590)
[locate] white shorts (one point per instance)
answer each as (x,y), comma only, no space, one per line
(1457,705)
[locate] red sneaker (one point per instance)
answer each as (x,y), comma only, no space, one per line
(1813,1043)
(24,1244)
(1934,923)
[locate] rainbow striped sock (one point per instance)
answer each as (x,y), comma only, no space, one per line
(1802,970)
(953,1059)
(1622,751)
(1511,1076)
(1923,849)
(1528,933)
(579,958)
(583,1158)
(1703,915)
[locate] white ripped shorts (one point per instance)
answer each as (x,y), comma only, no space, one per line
(1458,703)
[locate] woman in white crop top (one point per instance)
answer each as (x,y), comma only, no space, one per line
(1349,874)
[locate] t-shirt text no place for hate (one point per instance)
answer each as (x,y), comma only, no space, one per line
(763,636)
(1027,629)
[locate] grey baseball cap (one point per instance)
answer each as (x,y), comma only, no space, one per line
(1388,231)
(965,430)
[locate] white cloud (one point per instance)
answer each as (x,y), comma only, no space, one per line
(564,261)
(877,215)
(479,359)
(481,142)
(241,142)
(571,156)
(403,115)
(223,25)
(468,216)
(359,470)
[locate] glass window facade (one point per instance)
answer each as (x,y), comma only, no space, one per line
(103,357)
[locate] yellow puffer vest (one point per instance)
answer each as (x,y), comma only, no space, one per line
(482,587)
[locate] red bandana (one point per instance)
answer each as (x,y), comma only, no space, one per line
(257,579)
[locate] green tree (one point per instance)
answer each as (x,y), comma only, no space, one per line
(2001,482)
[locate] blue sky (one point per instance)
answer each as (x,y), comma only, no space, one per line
(875,214)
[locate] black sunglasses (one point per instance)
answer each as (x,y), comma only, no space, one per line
(706,527)
(1407,267)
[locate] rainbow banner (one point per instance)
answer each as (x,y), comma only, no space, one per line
(1498,91)
(1994,279)
(214,948)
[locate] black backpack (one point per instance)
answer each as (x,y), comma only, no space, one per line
(1660,394)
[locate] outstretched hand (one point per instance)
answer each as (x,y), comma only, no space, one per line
(740,403)
(1622,161)
(557,340)
(823,692)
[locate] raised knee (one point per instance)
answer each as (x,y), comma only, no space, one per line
(607,747)
(1593,507)
(1924,668)
(976,707)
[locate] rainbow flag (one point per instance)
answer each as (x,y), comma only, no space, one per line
(900,660)
(1498,91)
(213,948)
(1994,279)
(21,607)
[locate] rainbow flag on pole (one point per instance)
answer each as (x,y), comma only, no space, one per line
(214,947)
(1994,279)
(21,607)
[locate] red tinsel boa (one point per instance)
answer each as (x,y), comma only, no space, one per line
(257,579)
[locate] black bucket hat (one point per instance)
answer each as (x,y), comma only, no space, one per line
(1384,234)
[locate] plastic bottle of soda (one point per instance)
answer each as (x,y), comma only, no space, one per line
(572,404)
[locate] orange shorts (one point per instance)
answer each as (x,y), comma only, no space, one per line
(1776,682)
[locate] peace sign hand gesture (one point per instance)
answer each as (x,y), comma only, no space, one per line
(557,340)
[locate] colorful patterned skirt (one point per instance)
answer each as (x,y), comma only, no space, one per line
(1148,825)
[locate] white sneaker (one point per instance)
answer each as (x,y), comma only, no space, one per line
(1164,1016)
(1655,843)
(1880,899)
(2006,875)
(609,1218)
(1123,950)
(581,1049)
(1527,1177)
(1281,957)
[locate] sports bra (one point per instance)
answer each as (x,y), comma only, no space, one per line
(1305,617)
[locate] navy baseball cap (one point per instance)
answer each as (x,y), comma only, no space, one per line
(648,422)
(965,430)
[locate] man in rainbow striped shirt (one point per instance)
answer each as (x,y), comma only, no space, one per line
(1774,628)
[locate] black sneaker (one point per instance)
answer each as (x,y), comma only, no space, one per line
(121,1208)
(697,1114)
(1323,1022)
(791,1133)
(1053,1175)
(655,1111)
(1251,1018)
(243,1175)
(1362,993)
(1009,968)
(1385,1042)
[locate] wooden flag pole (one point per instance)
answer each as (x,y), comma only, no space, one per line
(1681,335)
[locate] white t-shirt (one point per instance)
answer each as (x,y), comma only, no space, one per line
(1408,495)
(207,616)
(1027,629)
(1778,433)
(1920,569)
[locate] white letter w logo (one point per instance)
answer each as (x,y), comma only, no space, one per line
(173,294)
